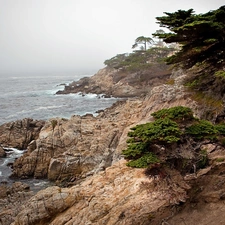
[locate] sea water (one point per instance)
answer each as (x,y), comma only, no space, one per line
(34,97)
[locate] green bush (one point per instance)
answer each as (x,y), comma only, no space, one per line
(160,131)
(220,128)
(143,136)
(168,128)
(174,113)
(135,150)
(202,129)
(143,161)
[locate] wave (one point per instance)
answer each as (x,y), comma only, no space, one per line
(41,183)
(49,107)
(14,150)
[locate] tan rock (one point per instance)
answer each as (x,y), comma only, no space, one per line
(119,195)
(20,133)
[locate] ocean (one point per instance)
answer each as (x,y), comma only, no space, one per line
(34,97)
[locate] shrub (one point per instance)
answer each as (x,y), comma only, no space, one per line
(174,113)
(202,129)
(143,136)
(220,128)
(143,161)
(53,123)
(168,128)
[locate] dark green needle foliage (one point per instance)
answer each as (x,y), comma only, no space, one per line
(172,125)
(201,36)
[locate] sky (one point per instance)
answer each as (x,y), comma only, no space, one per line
(77,36)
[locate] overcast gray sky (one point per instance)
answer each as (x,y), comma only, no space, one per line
(77,36)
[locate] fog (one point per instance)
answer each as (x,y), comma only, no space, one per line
(77,36)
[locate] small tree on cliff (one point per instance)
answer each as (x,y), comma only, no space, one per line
(142,41)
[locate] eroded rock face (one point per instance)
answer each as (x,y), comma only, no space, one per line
(112,82)
(11,199)
(118,195)
(75,147)
(20,133)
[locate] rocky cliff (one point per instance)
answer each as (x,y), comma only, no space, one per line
(119,83)
(84,153)
(19,134)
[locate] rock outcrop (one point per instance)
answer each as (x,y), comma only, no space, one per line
(11,199)
(85,153)
(71,149)
(20,133)
(112,82)
(118,195)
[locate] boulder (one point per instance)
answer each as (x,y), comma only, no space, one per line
(20,133)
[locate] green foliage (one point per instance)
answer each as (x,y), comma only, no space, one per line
(192,83)
(115,61)
(143,161)
(174,113)
(135,150)
(220,73)
(202,129)
(202,163)
(143,41)
(139,60)
(168,128)
(54,123)
(201,36)
(220,159)
(143,136)
(220,128)
(160,131)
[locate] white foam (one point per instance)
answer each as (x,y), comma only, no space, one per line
(5,162)
(48,107)
(41,183)
(14,151)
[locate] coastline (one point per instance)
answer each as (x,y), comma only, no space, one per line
(92,184)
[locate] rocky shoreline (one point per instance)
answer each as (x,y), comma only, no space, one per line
(82,155)
(118,83)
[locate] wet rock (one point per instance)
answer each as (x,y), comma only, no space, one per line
(2,152)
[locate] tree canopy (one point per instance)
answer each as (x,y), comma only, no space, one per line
(201,37)
(143,41)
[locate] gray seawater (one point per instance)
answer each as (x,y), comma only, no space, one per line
(34,97)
